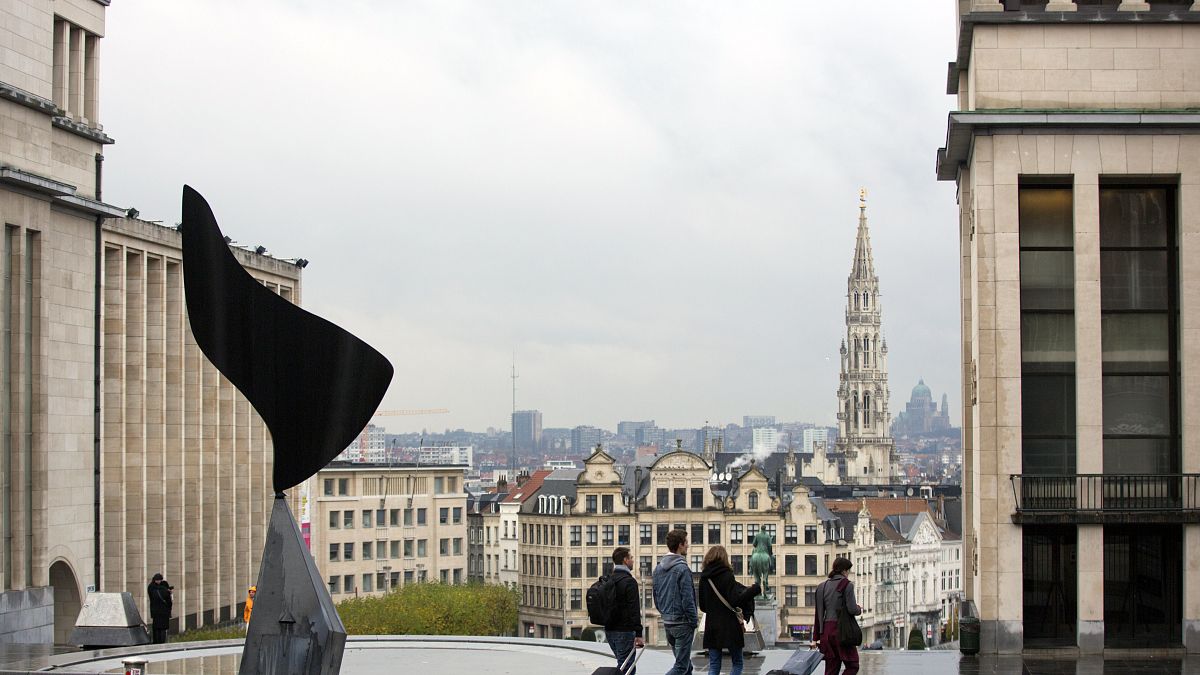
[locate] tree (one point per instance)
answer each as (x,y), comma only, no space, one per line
(915,639)
(433,609)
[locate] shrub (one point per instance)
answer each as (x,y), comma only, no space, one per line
(433,609)
(588,634)
(915,640)
(210,633)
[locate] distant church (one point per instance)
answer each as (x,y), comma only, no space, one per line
(864,444)
(922,415)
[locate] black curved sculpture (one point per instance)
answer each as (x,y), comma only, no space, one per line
(316,387)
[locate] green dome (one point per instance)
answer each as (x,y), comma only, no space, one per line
(921,391)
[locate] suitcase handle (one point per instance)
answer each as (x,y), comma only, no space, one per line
(631,660)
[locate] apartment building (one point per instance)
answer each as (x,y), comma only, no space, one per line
(377,527)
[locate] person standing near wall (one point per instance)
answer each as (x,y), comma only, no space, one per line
(160,606)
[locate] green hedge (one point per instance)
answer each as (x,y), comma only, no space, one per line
(915,639)
(433,609)
(209,633)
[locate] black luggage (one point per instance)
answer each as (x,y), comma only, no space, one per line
(627,667)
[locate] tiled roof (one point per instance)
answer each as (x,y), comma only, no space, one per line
(518,495)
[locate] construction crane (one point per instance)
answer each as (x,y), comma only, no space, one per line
(413,411)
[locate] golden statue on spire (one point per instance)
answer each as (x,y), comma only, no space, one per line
(862,196)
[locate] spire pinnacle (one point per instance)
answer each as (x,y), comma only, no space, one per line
(864,264)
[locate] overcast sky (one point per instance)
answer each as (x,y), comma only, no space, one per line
(652,204)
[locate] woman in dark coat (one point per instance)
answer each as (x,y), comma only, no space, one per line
(722,627)
(831,595)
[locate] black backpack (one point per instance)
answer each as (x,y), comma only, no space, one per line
(602,599)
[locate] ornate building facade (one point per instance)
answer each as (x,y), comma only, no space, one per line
(864,423)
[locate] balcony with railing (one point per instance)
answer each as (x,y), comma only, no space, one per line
(1105,498)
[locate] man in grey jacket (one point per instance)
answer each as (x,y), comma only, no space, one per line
(675,599)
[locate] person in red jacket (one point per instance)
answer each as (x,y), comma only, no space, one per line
(830,596)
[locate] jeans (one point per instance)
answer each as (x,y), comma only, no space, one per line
(714,661)
(621,643)
(679,636)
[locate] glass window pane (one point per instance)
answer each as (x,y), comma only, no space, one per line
(1136,405)
(1048,405)
(1133,280)
(1047,338)
(1138,455)
(1054,457)
(1045,216)
(1133,217)
(1047,280)
(1134,342)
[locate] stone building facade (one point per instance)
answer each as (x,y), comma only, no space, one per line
(1075,147)
(864,441)
(122,452)
(378,527)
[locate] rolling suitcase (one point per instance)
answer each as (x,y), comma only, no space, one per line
(627,667)
(802,662)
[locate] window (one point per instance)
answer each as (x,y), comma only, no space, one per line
(770,529)
(443,515)
(646,565)
(444,546)
(368,583)
(644,534)
(789,596)
(576,598)
(421,548)
(606,503)
(348,584)
(789,565)
(735,533)
(622,535)
(343,486)
(661,533)
(753,500)
(438,485)
(408,517)
(367,550)
(576,535)
(348,519)
(380,515)
(697,498)
(789,534)
(697,563)
(334,549)
(333,520)
(714,533)
(329,493)
(366,518)
(445,576)
(335,580)
(590,500)
(736,561)
(1139,319)
(576,567)
(751,530)
(810,596)
(681,498)
(457,515)
(408,548)
(810,565)
(420,516)
(608,535)
(394,549)
(810,534)
(592,566)
(381,581)
(697,535)
(348,551)
(394,518)
(458,546)
(591,535)
(607,567)
(663,496)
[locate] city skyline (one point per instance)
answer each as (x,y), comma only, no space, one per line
(657,212)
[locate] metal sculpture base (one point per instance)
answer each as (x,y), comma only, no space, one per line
(294,627)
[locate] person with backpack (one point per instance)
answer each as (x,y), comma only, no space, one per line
(623,620)
(727,605)
(675,599)
(832,595)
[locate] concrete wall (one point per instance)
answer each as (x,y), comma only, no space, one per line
(27,616)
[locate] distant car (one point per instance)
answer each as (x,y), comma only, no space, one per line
(878,644)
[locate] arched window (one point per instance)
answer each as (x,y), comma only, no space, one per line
(867,409)
(855,299)
(866,300)
(855,399)
(866,351)
(857,349)
(753,500)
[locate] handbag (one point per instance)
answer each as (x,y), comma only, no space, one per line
(753,634)
(848,632)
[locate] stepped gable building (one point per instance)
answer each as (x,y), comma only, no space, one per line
(922,415)
(1075,148)
(125,452)
(864,442)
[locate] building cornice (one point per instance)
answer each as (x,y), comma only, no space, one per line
(58,116)
(1084,15)
(963,126)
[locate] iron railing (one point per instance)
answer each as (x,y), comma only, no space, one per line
(1177,493)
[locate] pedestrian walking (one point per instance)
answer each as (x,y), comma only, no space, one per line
(160,606)
(675,599)
(832,594)
(623,630)
(727,605)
